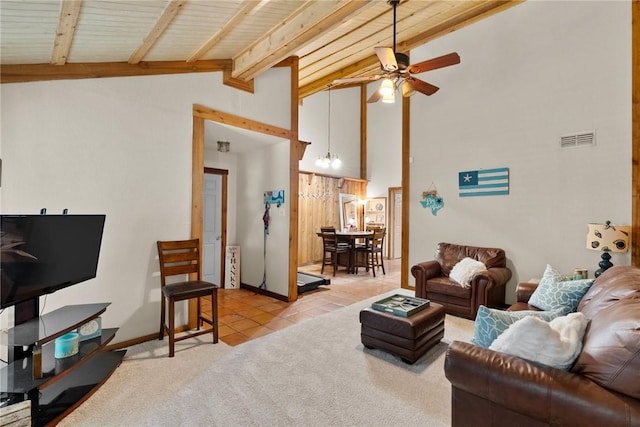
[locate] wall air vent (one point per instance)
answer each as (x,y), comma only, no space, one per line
(582,139)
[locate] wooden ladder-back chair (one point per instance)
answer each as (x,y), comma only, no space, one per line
(332,229)
(179,258)
(373,251)
(330,250)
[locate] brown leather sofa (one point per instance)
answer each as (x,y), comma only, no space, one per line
(487,287)
(602,388)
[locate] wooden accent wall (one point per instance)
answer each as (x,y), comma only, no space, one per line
(318,206)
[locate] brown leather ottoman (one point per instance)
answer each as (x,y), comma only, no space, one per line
(406,337)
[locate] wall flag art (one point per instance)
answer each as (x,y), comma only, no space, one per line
(431,199)
(484,182)
(275,197)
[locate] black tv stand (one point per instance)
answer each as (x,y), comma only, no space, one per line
(55,386)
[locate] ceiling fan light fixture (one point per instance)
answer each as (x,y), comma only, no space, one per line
(407,88)
(386,88)
(397,71)
(389,98)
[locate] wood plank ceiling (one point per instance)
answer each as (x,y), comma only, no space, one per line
(63,39)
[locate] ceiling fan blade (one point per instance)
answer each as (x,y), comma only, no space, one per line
(375,97)
(435,63)
(387,58)
(423,87)
(350,80)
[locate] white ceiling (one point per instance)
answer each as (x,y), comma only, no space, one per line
(47,39)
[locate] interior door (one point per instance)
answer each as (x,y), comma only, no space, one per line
(212,229)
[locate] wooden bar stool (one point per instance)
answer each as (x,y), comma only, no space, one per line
(179,258)
(373,251)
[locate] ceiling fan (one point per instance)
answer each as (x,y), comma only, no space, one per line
(397,73)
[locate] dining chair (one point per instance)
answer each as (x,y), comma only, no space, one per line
(331,228)
(182,257)
(331,247)
(373,251)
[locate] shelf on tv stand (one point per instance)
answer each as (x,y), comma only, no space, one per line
(18,376)
(46,328)
(57,386)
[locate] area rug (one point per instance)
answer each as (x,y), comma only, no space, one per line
(316,373)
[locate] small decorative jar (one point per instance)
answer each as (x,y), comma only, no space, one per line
(66,345)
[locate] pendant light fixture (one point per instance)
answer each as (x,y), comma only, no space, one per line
(329,160)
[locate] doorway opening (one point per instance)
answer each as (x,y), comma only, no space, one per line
(214,225)
(394,230)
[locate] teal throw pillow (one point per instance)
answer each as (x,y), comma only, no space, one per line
(553,293)
(490,322)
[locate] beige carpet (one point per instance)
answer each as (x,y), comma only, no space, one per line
(316,373)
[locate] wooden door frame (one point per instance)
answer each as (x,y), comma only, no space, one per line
(635,133)
(201,113)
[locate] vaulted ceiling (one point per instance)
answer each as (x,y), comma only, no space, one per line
(65,39)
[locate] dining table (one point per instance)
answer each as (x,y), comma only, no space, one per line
(353,238)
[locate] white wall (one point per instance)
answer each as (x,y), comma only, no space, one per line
(528,75)
(260,171)
(345,130)
(384,137)
(384,145)
(119,146)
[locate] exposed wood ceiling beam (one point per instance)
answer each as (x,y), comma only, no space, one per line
(240,122)
(67,21)
(293,34)
(348,71)
(483,10)
(245,8)
(19,73)
(39,72)
(168,14)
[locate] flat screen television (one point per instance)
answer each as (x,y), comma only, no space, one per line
(41,254)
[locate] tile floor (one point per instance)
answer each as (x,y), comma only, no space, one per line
(244,315)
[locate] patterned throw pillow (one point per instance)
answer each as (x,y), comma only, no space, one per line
(553,293)
(490,322)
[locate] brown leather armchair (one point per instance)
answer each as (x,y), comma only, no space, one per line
(487,287)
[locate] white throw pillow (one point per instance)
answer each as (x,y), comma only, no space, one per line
(464,271)
(556,343)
